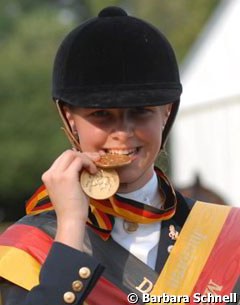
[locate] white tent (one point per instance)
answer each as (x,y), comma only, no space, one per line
(206,136)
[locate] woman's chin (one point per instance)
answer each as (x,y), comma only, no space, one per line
(132,179)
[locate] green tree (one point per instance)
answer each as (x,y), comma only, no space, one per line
(29,132)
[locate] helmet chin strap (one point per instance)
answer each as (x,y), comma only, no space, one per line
(67,129)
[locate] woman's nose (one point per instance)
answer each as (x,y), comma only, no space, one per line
(123,127)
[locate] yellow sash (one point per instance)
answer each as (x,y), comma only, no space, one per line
(192,264)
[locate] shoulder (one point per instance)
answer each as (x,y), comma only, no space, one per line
(46,222)
(26,243)
(24,247)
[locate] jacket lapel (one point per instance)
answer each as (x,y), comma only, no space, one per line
(122,268)
(166,243)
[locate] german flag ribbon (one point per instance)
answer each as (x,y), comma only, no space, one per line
(205,258)
(102,212)
(23,249)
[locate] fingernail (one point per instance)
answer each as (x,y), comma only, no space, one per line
(102,153)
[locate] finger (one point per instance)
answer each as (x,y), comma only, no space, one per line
(64,160)
(102,153)
(94,156)
(80,162)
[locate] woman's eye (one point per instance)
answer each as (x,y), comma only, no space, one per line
(100,114)
(141,111)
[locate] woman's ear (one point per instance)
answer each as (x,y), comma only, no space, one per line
(69,124)
(69,118)
(169,108)
(166,114)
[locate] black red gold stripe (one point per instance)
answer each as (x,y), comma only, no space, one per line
(29,239)
(101,212)
(23,249)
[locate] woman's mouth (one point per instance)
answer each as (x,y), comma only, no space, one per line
(128,152)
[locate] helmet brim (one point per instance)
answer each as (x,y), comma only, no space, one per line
(119,97)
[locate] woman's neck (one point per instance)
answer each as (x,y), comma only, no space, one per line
(137,184)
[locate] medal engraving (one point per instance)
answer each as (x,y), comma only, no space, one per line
(102,185)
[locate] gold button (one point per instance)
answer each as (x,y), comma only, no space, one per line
(69,297)
(77,286)
(84,272)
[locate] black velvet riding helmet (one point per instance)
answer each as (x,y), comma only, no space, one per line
(117,61)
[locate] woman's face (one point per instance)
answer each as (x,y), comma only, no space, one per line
(133,131)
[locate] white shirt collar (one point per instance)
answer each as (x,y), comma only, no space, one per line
(144,242)
(148,194)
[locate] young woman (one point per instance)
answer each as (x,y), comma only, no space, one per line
(116,84)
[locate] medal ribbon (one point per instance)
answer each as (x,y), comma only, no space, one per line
(102,212)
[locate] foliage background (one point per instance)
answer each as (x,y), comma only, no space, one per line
(30,32)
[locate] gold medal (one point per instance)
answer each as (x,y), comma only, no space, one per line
(105,182)
(113,161)
(102,185)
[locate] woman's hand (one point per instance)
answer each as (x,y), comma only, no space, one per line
(69,201)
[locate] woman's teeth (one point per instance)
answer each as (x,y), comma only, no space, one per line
(122,152)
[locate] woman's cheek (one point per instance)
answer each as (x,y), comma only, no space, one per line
(93,142)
